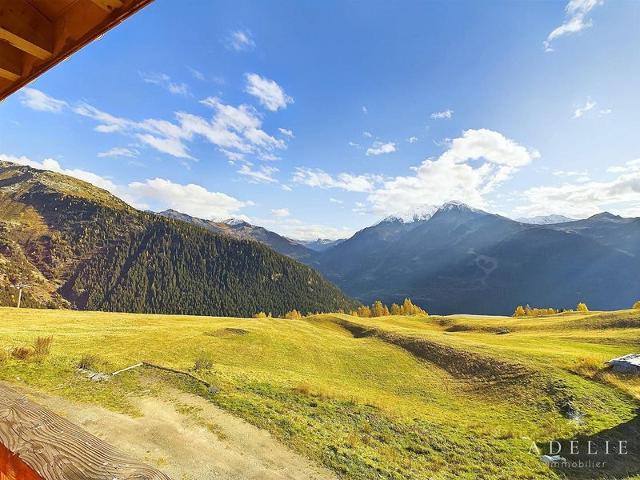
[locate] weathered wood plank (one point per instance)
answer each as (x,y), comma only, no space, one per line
(56,449)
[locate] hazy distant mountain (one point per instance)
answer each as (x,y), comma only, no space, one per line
(240,229)
(321,244)
(76,244)
(545,219)
(466,260)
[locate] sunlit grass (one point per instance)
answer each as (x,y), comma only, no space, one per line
(364,407)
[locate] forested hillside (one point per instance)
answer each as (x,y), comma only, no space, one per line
(77,245)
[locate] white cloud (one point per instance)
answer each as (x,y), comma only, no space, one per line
(299,230)
(630,166)
(412,139)
(241,41)
(163,80)
(380,148)
(263,174)
(268,92)
(576,12)
(345,181)
(582,109)
(367,134)
(37,100)
(570,173)
(280,212)
(119,152)
(581,199)
(286,132)
(235,130)
(286,188)
(335,200)
(444,114)
(191,199)
(365,110)
(354,145)
(472,167)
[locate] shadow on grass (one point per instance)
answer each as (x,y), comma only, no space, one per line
(600,464)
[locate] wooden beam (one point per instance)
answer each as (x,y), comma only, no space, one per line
(26,28)
(56,449)
(10,61)
(108,5)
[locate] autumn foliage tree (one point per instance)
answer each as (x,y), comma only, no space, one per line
(582,307)
(293,315)
(528,311)
(637,305)
(379,309)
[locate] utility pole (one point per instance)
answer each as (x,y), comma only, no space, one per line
(20,287)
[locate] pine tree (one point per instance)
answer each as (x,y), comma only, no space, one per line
(396,309)
(519,311)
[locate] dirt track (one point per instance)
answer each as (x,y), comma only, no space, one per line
(189,438)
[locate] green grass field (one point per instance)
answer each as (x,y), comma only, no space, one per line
(387,398)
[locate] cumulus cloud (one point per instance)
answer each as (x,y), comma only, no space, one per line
(37,100)
(581,199)
(472,167)
(576,20)
(268,92)
(280,212)
(412,139)
(164,81)
(262,174)
(240,41)
(445,114)
(345,181)
(380,148)
(191,199)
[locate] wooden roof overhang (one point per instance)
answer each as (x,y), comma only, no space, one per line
(36,35)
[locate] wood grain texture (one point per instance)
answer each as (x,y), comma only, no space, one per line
(56,449)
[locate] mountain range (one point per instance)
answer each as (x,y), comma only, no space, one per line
(78,246)
(455,259)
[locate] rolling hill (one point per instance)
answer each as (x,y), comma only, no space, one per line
(79,246)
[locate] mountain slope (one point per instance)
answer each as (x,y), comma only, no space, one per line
(245,231)
(79,245)
(466,260)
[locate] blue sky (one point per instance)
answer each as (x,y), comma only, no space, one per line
(316,119)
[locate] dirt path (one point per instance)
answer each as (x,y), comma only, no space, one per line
(189,438)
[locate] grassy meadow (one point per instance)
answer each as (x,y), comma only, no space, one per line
(370,398)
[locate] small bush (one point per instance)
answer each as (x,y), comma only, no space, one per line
(88,361)
(42,346)
(203,362)
(260,315)
(22,353)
